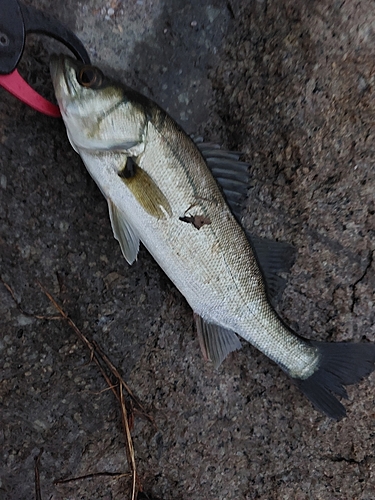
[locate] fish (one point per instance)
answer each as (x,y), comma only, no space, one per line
(179,198)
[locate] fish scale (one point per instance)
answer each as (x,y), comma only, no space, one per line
(161,192)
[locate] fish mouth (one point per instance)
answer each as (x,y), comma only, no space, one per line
(63,70)
(55,67)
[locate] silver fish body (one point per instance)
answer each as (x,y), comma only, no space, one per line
(161,192)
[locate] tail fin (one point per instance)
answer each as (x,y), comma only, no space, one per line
(340,364)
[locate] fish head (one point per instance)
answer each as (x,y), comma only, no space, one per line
(98,113)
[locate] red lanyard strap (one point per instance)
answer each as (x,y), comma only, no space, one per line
(16,85)
(16,20)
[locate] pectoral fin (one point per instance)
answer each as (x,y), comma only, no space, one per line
(131,147)
(145,190)
(124,233)
(216,342)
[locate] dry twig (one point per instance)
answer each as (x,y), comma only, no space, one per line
(104,365)
(116,475)
(26,313)
(100,359)
(38,494)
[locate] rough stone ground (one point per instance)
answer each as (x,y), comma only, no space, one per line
(290,83)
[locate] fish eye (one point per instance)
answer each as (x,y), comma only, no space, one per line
(90,77)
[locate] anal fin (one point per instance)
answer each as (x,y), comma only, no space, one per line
(216,342)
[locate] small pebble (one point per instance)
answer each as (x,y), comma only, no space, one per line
(3,181)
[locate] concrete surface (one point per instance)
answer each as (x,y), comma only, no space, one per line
(291,84)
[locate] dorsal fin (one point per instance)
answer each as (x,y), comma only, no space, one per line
(231,174)
(274,257)
(233,177)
